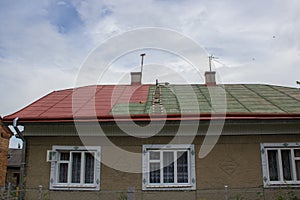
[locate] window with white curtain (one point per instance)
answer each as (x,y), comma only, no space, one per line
(76,168)
(168,167)
(281,164)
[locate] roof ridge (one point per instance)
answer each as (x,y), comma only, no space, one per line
(265,98)
(262,84)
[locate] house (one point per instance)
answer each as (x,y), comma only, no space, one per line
(163,141)
(5,135)
(13,166)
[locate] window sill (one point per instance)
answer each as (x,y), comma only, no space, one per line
(169,187)
(282,185)
(73,187)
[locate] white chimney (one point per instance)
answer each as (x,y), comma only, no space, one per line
(136,78)
(210,78)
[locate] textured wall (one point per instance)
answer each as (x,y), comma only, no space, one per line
(235,161)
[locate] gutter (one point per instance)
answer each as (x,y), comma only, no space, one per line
(20,135)
(168,117)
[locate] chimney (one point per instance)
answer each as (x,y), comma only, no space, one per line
(210,78)
(136,78)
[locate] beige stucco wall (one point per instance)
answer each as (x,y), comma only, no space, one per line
(235,161)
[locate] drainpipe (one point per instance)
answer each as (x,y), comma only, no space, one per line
(22,169)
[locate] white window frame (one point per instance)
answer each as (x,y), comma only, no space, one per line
(191,185)
(54,159)
(265,165)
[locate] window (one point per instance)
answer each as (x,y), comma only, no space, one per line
(281,164)
(168,167)
(76,168)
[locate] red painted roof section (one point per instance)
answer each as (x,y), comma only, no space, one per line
(83,102)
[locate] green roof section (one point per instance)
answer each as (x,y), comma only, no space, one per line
(196,98)
(128,108)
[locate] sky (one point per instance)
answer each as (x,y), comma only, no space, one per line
(45,43)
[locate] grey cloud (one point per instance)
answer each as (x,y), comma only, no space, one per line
(257,37)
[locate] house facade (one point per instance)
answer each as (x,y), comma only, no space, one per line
(5,135)
(163,141)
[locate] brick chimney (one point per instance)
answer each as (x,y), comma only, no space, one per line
(136,78)
(210,78)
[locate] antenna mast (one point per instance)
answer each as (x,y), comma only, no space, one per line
(210,58)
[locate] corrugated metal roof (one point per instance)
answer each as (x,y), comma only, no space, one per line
(108,101)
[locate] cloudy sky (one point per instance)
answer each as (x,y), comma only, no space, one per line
(44,43)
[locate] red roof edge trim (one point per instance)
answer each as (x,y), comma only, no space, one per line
(169,117)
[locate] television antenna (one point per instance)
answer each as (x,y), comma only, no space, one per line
(210,58)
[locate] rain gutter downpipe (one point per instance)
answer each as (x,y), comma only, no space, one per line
(19,135)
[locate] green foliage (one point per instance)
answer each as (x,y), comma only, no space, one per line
(289,195)
(46,195)
(122,196)
(283,194)
(259,196)
(237,197)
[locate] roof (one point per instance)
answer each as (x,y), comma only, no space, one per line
(113,102)
(14,157)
